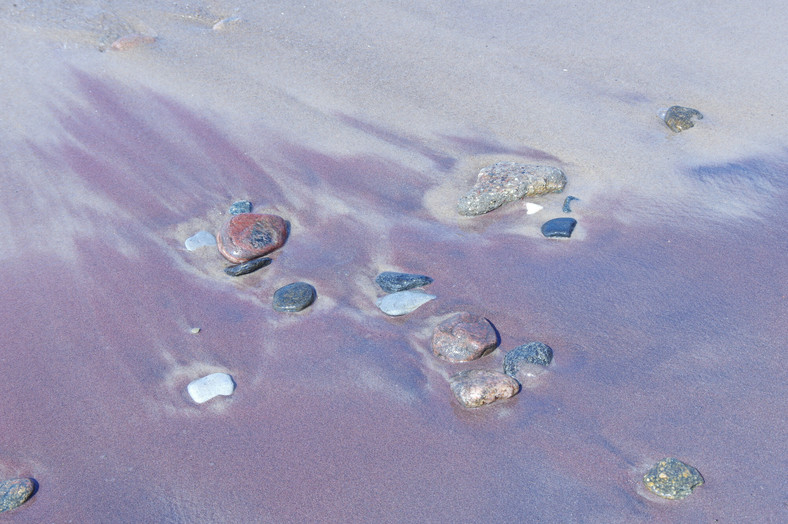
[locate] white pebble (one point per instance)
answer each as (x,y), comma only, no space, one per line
(200,239)
(205,388)
(531,208)
(402,302)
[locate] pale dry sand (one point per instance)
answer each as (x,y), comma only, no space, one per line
(361,123)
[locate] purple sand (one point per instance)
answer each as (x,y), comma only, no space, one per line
(667,343)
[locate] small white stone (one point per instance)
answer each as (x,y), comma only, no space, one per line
(402,302)
(200,239)
(205,388)
(531,208)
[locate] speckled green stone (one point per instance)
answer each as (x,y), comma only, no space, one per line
(294,297)
(680,118)
(15,492)
(672,479)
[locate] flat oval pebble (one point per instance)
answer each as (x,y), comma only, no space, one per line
(247,267)
(294,297)
(15,492)
(477,387)
(463,337)
(126,42)
(531,353)
(391,281)
(242,206)
(505,182)
(679,118)
(200,239)
(248,235)
(672,479)
(559,227)
(210,386)
(403,302)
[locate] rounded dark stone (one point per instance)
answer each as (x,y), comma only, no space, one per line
(672,479)
(391,281)
(559,227)
(680,118)
(531,353)
(15,492)
(242,206)
(247,267)
(567,201)
(294,297)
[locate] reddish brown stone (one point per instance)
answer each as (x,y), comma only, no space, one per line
(248,235)
(477,387)
(463,337)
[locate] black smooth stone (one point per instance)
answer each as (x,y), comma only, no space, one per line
(391,281)
(294,297)
(559,227)
(567,201)
(531,353)
(247,267)
(242,206)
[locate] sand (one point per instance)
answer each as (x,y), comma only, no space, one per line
(361,124)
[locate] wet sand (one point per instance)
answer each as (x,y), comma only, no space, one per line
(666,309)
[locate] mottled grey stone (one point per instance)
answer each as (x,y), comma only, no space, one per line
(294,297)
(403,302)
(247,267)
(672,479)
(242,206)
(531,353)
(505,182)
(391,281)
(680,118)
(15,492)
(559,227)
(477,387)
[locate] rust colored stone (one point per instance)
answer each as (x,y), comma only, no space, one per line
(477,387)
(463,337)
(248,235)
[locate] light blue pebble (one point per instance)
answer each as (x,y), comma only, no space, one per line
(200,239)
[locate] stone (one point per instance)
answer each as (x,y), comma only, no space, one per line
(294,297)
(210,386)
(248,235)
(521,357)
(679,118)
(505,182)
(463,337)
(242,206)
(477,387)
(15,492)
(195,330)
(200,239)
(247,267)
(531,208)
(131,41)
(567,202)
(559,227)
(403,302)
(391,281)
(672,479)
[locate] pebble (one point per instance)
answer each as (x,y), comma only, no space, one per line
(210,386)
(200,239)
(15,492)
(391,281)
(248,235)
(247,267)
(679,118)
(528,354)
(194,330)
(294,297)
(242,206)
(672,479)
(477,387)
(505,182)
(559,227)
(567,201)
(403,302)
(463,337)
(126,42)
(531,208)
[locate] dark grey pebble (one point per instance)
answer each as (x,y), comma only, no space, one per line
(559,227)
(567,201)
(247,267)
(242,206)
(531,353)
(391,281)
(294,297)
(680,118)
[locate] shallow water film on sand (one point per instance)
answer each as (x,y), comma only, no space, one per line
(133,133)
